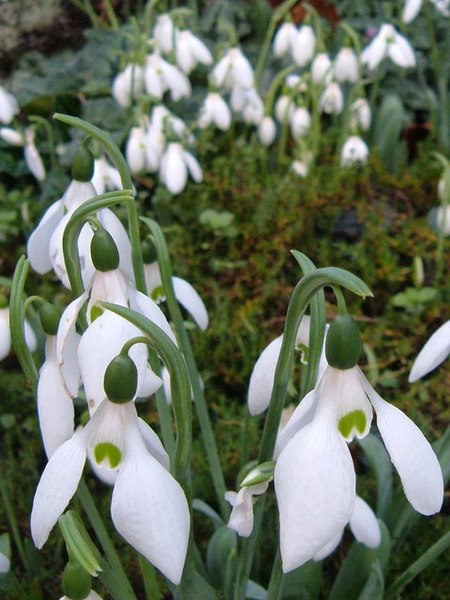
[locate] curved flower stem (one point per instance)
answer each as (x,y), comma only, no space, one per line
(119,161)
(95,519)
(180,387)
(17,318)
(73,228)
(276,579)
(278,14)
(185,346)
(305,290)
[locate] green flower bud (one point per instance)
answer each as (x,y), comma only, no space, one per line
(120,381)
(343,345)
(82,164)
(148,252)
(49,316)
(77,582)
(104,253)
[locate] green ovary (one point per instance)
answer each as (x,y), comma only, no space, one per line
(109,452)
(355,420)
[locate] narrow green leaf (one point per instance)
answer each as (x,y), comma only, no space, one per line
(381,464)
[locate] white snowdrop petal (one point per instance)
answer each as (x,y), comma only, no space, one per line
(364,524)
(262,377)
(38,246)
(432,354)
(191,301)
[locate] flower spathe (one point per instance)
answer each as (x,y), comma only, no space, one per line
(432,354)
(148,506)
(314,474)
(241,518)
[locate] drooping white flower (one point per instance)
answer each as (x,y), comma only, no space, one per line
(233,69)
(284,108)
(148,506)
(410,10)
(360,114)
(215,111)
(248,103)
(443,6)
(164,32)
(31,154)
(314,473)
(160,76)
(190,51)
(107,333)
(304,45)
(5,334)
(184,293)
(300,121)
(346,65)
(432,354)
(263,374)
(284,39)
(321,69)
(176,163)
(128,85)
(354,151)
(9,107)
(301,165)
(388,43)
(332,99)
(241,518)
(267,131)
(91,596)
(136,149)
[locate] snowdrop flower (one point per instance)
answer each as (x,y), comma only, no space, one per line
(302,165)
(443,6)
(296,83)
(263,374)
(248,102)
(107,333)
(388,42)
(354,151)
(364,526)
(215,110)
(176,163)
(160,76)
(184,293)
(31,154)
(148,506)
(300,121)
(411,9)
(314,474)
(136,148)
(9,106)
(241,517)
(432,354)
(5,563)
(105,177)
(304,45)
(321,69)
(232,70)
(284,39)
(332,99)
(128,85)
(267,131)
(190,51)
(164,32)
(284,108)
(346,66)
(5,334)
(360,114)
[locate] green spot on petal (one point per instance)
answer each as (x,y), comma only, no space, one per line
(353,421)
(106,451)
(96,311)
(157,294)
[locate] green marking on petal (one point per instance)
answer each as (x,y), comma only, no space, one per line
(355,420)
(96,312)
(109,452)
(157,294)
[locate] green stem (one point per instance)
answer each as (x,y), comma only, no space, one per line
(120,163)
(276,579)
(17,318)
(185,346)
(115,26)
(305,290)
(278,14)
(50,138)
(418,566)
(95,519)
(149,577)
(13,525)
(165,423)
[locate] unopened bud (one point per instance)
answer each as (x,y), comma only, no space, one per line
(120,381)
(82,164)
(343,345)
(49,316)
(104,253)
